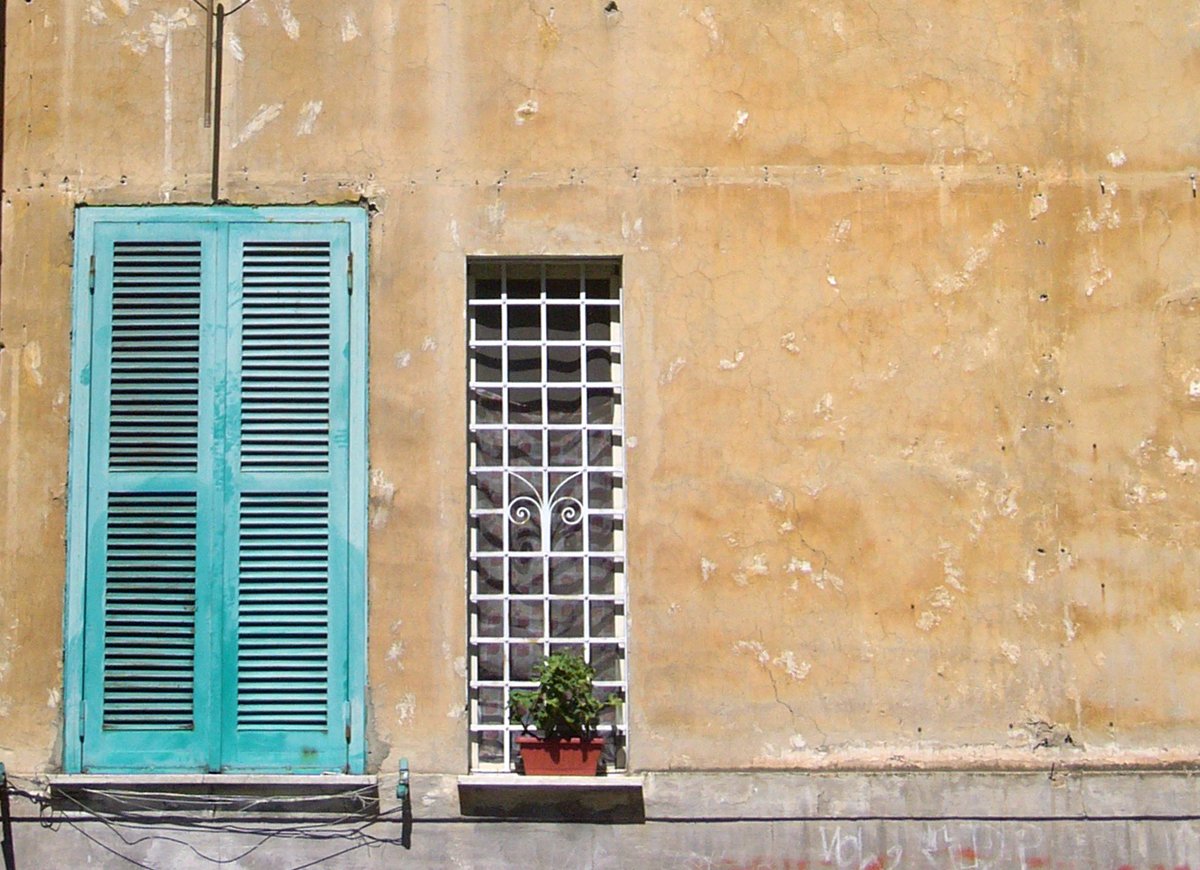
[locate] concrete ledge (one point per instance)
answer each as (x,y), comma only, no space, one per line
(159,794)
(604,799)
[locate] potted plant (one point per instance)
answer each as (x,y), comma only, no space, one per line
(565,711)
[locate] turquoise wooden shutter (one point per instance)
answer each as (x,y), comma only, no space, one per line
(147,701)
(285,684)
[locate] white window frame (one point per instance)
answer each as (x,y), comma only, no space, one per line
(571,495)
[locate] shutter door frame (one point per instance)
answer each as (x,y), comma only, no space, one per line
(80,720)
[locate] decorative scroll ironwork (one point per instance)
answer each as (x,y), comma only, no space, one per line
(523,507)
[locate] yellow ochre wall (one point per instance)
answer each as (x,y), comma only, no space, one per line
(912,331)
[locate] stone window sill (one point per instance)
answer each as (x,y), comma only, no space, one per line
(599,799)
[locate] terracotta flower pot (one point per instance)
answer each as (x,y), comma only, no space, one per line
(574,757)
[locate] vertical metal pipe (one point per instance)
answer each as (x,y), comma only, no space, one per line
(216,104)
(208,66)
(10,859)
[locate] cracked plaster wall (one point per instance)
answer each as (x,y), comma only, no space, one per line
(912,358)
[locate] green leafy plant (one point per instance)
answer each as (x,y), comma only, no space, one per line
(564,704)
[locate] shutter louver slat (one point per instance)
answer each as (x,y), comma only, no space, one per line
(155,364)
(285,355)
(149,611)
(283,611)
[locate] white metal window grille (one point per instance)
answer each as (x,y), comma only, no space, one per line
(547,509)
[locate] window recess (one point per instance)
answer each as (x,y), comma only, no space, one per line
(546,487)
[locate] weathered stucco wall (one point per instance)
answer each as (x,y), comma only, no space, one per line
(912,355)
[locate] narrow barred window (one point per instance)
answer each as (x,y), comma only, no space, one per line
(547,510)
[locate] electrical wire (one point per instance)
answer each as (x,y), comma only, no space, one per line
(143,810)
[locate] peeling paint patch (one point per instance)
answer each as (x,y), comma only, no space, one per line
(1039,205)
(1181,465)
(308,117)
(283,8)
(460,667)
(788,342)
(840,231)
(707,569)
(236,49)
(1069,624)
(975,259)
(824,407)
(1011,651)
(672,370)
(928,620)
(631,231)
(402,359)
(1098,276)
(264,116)
(382,497)
(1116,158)
(429,344)
(350,29)
(755,566)
(708,18)
(94,13)
(731,364)
(795,669)
(155,33)
(1108,218)
(31,359)
(395,654)
(406,709)
(739,124)
(525,111)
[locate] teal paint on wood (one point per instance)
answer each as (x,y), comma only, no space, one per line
(216,604)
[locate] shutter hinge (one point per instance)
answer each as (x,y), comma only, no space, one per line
(350,272)
(346,717)
(92,275)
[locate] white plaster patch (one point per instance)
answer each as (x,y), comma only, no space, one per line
(383,496)
(928,620)
(350,29)
(429,344)
(631,441)
(831,280)
(1006,502)
(1107,218)
(740,120)
(1069,624)
(460,667)
(1031,576)
(454,237)
(123,6)
(1116,158)
(1183,466)
(53,699)
(406,709)
(1011,651)
(672,370)
(797,670)
(455,712)
(707,569)
(155,33)
(1098,276)
(264,116)
(495,215)
(1038,206)
(395,654)
(1194,389)
(976,257)
(283,8)
(788,342)
(1024,609)
(94,13)
(31,359)
(631,230)
(753,648)
(708,18)
(824,407)
(525,111)
(840,231)
(308,117)
(755,566)
(402,359)
(236,49)
(731,364)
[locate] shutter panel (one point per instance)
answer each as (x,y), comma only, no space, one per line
(288,423)
(146,701)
